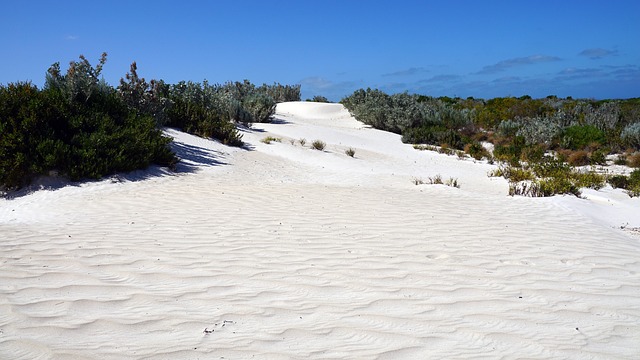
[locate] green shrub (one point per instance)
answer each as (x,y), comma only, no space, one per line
(261,107)
(77,126)
(588,179)
(510,152)
(618,181)
(579,137)
(533,153)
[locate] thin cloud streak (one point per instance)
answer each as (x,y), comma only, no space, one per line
(515,62)
(597,53)
(408,72)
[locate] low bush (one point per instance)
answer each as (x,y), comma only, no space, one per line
(588,179)
(618,181)
(544,188)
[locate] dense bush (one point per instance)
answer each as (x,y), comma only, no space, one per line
(78,126)
(579,137)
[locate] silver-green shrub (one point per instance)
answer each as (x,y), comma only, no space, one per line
(630,135)
(539,130)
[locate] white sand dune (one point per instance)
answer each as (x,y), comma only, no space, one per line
(281,252)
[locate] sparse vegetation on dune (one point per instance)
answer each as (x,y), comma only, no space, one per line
(437,180)
(523,131)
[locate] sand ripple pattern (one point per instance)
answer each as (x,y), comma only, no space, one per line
(286,271)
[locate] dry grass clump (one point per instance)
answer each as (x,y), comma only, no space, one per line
(578,158)
(438,180)
(633,160)
(269,139)
(318,145)
(445,149)
(302,141)
(425,147)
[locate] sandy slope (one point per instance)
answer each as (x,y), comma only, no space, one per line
(281,251)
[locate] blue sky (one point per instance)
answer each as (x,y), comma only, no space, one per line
(482,49)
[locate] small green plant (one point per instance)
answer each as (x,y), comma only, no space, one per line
(350,152)
(269,139)
(318,145)
(302,141)
(476,150)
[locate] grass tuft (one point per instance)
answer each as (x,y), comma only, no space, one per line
(318,145)
(269,139)
(350,152)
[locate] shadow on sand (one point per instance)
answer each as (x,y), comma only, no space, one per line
(191,158)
